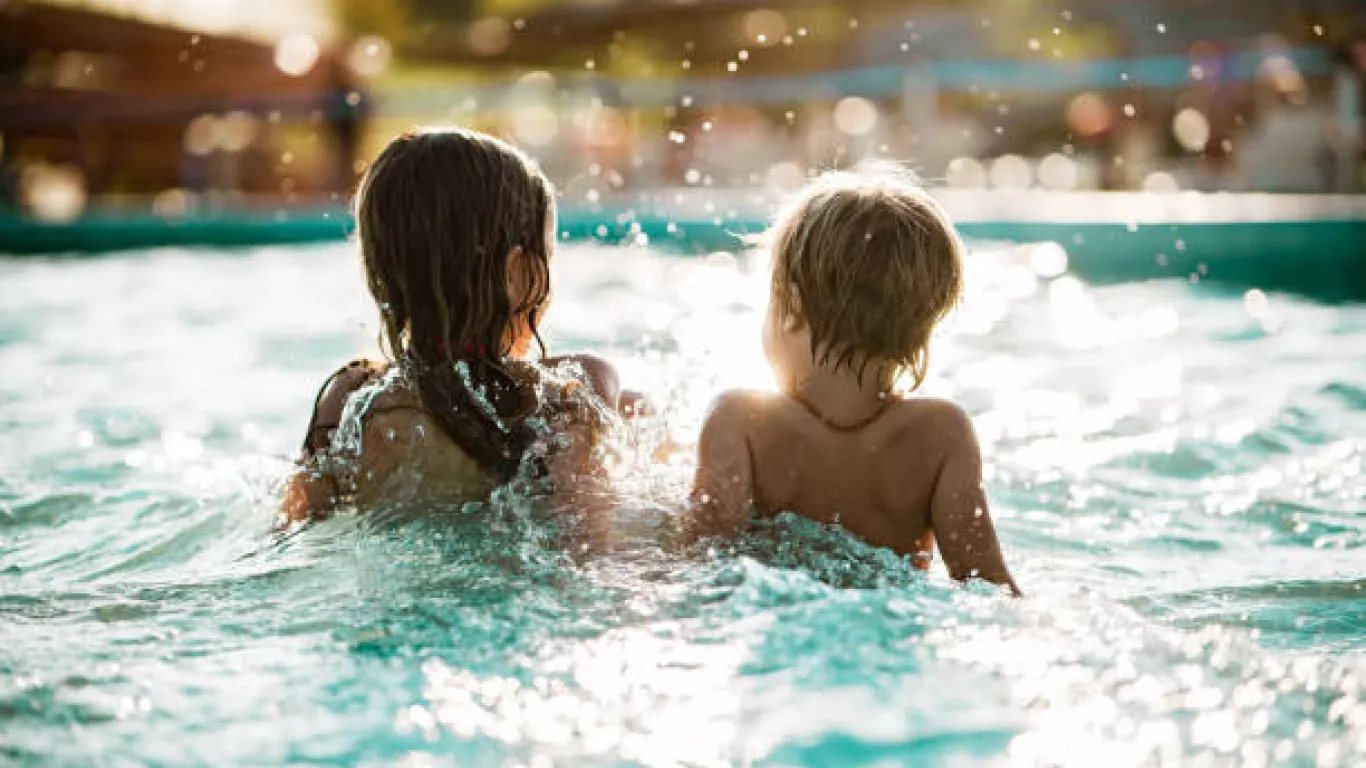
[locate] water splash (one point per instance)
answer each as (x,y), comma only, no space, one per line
(1178,486)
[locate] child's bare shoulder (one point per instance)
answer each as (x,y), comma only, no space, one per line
(926,420)
(737,414)
(332,397)
(740,406)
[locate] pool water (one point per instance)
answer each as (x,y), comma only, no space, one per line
(1177,473)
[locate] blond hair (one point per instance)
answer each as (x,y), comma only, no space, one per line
(874,264)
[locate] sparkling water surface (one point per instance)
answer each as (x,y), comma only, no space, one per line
(1176,469)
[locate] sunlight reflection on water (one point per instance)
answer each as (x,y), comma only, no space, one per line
(1177,473)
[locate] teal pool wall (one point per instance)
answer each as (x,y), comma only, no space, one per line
(1325,258)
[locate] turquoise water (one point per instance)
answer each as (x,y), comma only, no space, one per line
(1177,473)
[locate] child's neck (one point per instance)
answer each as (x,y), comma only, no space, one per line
(839,395)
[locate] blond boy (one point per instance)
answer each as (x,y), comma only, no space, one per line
(864,268)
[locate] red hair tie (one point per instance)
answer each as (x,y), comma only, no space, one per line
(442,348)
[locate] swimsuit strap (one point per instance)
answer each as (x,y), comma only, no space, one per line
(367,374)
(836,426)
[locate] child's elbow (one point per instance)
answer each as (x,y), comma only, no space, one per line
(602,377)
(304,499)
(708,518)
(999,578)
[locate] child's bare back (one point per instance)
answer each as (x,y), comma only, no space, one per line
(371,438)
(912,470)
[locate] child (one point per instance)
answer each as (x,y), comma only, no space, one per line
(456,234)
(863,269)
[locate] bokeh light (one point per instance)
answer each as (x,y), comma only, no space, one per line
(535,124)
(1161,181)
(764,27)
(1282,74)
(174,203)
(201,135)
(1058,172)
(605,128)
(1191,129)
(785,176)
(856,116)
(489,36)
(53,193)
(296,53)
(235,131)
(1011,172)
(965,173)
(1048,259)
(370,56)
(1088,114)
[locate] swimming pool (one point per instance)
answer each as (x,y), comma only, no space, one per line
(1177,471)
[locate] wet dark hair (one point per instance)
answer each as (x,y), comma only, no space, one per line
(438,213)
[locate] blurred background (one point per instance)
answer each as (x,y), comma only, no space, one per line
(182,109)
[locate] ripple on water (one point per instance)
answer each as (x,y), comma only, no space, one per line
(1179,487)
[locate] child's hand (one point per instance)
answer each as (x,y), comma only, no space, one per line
(602,377)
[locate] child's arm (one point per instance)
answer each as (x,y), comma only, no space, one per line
(308,492)
(722,492)
(959,516)
(579,479)
(606,384)
(307,495)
